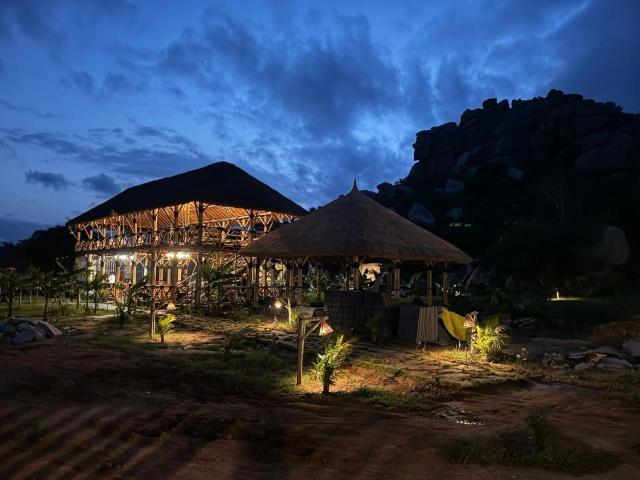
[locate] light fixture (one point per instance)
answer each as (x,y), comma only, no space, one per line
(278,304)
(325,328)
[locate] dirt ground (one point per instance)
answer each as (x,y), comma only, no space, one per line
(72,410)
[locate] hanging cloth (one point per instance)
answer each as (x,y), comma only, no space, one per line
(455,325)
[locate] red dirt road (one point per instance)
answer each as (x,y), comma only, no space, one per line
(72,411)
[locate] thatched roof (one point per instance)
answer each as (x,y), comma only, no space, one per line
(355,225)
(220,183)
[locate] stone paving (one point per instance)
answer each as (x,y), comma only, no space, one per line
(417,362)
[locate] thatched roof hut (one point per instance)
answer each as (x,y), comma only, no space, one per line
(351,226)
(220,183)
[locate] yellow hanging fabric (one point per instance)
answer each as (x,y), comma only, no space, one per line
(454,324)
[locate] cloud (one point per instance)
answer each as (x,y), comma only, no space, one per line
(101,183)
(32,111)
(112,84)
(54,181)
(112,149)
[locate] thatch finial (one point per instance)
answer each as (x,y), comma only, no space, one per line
(355,186)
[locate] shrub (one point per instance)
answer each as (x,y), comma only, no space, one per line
(165,326)
(328,364)
(489,339)
(376,327)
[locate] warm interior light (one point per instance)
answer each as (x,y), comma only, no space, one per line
(278,304)
(170,306)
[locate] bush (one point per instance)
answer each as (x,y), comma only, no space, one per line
(328,364)
(489,339)
(165,326)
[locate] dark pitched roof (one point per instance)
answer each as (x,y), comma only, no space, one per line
(220,183)
(355,225)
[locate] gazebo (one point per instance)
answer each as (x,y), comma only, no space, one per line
(356,228)
(167,229)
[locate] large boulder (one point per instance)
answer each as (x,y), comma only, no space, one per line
(612,247)
(604,159)
(421,215)
(617,333)
(632,349)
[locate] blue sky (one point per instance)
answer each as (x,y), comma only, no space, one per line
(96,96)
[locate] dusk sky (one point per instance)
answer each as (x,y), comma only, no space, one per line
(98,96)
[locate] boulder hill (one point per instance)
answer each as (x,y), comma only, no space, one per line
(562,163)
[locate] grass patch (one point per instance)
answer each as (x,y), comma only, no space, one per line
(381,397)
(239,372)
(539,445)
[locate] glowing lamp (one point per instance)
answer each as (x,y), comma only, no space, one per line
(278,304)
(325,328)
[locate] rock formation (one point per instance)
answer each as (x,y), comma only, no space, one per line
(561,158)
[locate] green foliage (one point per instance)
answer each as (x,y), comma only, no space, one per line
(328,364)
(375,325)
(490,339)
(311,279)
(10,284)
(216,278)
(165,326)
(384,398)
(539,446)
(133,296)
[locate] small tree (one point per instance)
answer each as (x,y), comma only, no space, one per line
(165,326)
(489,339)
(126,308)
(47,283)
(10,283)
(328,364)
(97,284)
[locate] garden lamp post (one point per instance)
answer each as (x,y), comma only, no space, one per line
(306,326)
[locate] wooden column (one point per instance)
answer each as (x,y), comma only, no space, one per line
(445,286)
(356,274)
(134,273)
(318,282)
(301,332)
(272,278)
(250,271)
(174,260)
(395,275)
(299,285)
(288,279)
(198,291)
(152,283)
(256,283)
(429,286)
(103,264)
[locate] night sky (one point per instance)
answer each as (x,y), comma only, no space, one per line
(98,96)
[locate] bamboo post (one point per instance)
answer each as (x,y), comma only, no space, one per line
(356,274)
(198,291)
(288,279)
(174,260)
(445,286)
(256,283)
(301,328)
(429,287)
(152,307)
(395,293)
(299,285)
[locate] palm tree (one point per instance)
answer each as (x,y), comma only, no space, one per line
(47,283)
(97,284)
